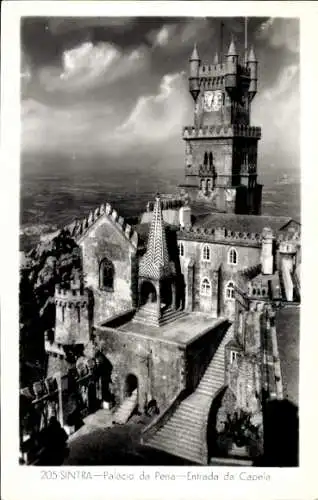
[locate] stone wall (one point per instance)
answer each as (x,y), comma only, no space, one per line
(218,271)
(105,240)
(158,366)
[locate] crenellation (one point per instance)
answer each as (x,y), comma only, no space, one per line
(221,131)
(128,230)
(108,209)
(114,215)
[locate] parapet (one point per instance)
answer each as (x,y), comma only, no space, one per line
(190,132)
(71,298)
(221,234)
(79,228)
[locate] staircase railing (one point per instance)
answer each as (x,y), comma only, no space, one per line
(163,417)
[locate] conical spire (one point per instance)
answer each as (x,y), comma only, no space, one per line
(232,49)
(195,55)
(216,58)
(251,56)
(155,263)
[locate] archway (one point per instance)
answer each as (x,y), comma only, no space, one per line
(131,384)
(148,294)
(165,294)
(212,431)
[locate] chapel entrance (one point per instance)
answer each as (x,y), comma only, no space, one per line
(131,385)
(148,294)
(165,295)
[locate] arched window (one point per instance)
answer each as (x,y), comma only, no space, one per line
(232,256)
(240,323)
(208,184)
(202,184)
(229,291)
(205,288)
(181,249)
(205,158)
(206,254)
(106,275)
(210,159)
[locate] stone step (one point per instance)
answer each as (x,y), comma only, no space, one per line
(181,424)
(174,441)
(177,433)
(193,455)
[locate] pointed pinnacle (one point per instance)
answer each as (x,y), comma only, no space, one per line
(251,56)
(216,58)
(232,49)
(195,55)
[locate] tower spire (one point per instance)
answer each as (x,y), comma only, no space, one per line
(155,263)
(232,48)
(195,54)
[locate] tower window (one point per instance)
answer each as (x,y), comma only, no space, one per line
(107,275)
(210,159)
(229,291)
(181,249)
(234,355)
(206,254)
(232,256)
(205,288)
(205,158)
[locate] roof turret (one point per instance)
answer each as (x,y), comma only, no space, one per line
(232,49)
(251,56)
(195,55)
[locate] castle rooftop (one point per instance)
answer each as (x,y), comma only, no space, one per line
(183,331)
(242,223)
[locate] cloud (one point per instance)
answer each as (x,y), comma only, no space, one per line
(158,117)
(48,128)
(87,66)
(277,109)
(280,33)
(174,36)
(59,26)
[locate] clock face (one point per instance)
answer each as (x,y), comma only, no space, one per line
(212,100)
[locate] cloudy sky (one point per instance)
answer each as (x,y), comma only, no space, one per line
(117,87)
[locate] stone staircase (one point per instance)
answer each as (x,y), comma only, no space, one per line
(126,409)
(149,315)
(184,434)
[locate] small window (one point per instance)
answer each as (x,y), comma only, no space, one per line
(205,287)
(206,254)
(232,256)
(229,291)
(240,323)
(107,275)
(234,355)
(181,249)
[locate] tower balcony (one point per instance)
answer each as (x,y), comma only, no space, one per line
(219,131)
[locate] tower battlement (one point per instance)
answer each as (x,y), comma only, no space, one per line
(237,130)
(70,298)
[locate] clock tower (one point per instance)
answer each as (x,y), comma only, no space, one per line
(221,145)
